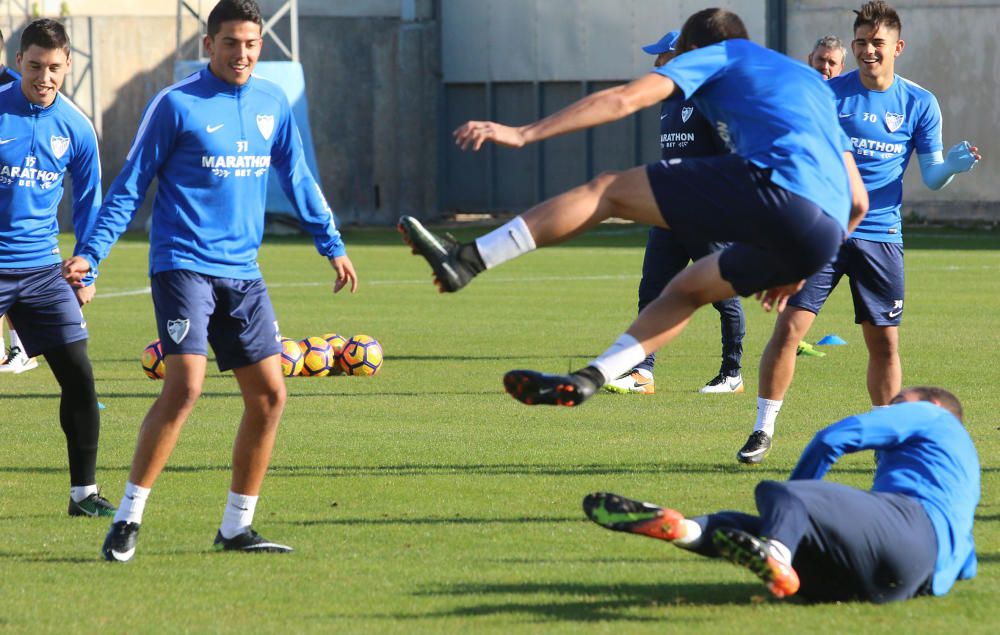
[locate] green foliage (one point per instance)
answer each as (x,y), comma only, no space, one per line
(426,500)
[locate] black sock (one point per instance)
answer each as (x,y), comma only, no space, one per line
(590,374)
(468,253)
(78,411)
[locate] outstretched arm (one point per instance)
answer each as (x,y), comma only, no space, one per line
(593,110)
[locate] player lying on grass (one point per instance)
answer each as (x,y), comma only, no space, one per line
(910,535)
(787,195)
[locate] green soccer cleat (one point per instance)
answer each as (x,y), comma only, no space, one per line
(618,513)
(805,348)
(93,506)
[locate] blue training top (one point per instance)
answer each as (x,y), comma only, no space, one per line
(924,452)
(38,146)
(885,128)
(773,111)
(211,144)
(684,132)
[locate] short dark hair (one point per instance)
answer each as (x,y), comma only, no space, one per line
(944,397)
(877,13)
(709,26)
(45,33)
(227,10)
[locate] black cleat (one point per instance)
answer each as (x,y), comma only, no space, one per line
(119,545)
(92,506)
(443,253)
(755,449)
(250,542)
(618,513)
(757,555)
(534,389)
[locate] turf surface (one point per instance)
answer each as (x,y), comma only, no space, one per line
(426,500)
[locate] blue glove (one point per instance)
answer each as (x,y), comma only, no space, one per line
(960,158)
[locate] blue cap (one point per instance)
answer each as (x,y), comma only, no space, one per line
(664,45)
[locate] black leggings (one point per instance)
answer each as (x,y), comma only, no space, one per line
(78,411)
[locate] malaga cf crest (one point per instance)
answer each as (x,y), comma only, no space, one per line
(686,113)
(178,329)
(59,145)
(893,121)
(265,123)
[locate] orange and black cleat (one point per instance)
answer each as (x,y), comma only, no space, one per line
(618,513)
(536,389)
(756,554)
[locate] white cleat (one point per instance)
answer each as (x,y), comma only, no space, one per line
(722,384)
(18,362)
(637,381)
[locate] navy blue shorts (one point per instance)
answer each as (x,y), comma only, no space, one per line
(779,236)
(234,316)
(876,273)
(43,308)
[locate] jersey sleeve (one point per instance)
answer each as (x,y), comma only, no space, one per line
(154,142)
(85,170)
(875,430)
(693,69)
(288,158)
(927,136)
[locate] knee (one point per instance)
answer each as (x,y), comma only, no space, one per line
(791,326)
(769,490)
(271,401)
(180,396)
(883,344)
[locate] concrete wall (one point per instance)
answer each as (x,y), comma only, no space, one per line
(952,50)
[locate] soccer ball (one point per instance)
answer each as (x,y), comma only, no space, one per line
(362,356)
(291,357)
(317,357)
(337,343)
(152,360)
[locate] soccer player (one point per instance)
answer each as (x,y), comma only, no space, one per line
(684,132)
(43,136)
(909,535)
(887,118)
(210,140)
(786,196)
(828,56)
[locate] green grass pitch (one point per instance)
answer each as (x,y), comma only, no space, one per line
(426,500)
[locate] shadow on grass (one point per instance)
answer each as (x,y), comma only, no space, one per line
(46,558)
(401,521)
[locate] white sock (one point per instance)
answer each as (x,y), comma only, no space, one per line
(238,515)
(133,503)
(692,538)
(620,358)
(767,412)
(505,243)
(780,552)
(80,492)
(15,341)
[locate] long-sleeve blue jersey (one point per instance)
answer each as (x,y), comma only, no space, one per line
(38,146)
(924,452)
(211,143)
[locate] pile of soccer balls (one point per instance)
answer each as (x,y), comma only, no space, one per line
(331,354)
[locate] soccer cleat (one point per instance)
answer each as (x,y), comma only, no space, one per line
(451,272)
(18,361)
(248,541)
(94,505)
(618,513)
(722,384)
(755,449)
(756,554)
(119,544)
(535,389)
(634,381)
(805,348)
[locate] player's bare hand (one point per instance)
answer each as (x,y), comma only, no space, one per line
(473,134)
(345,273)
(85,294)
(74,269)
(776,298)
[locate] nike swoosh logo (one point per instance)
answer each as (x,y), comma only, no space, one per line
(3,141)
(893,314)
(211,129)
(662,117)
(845,116)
